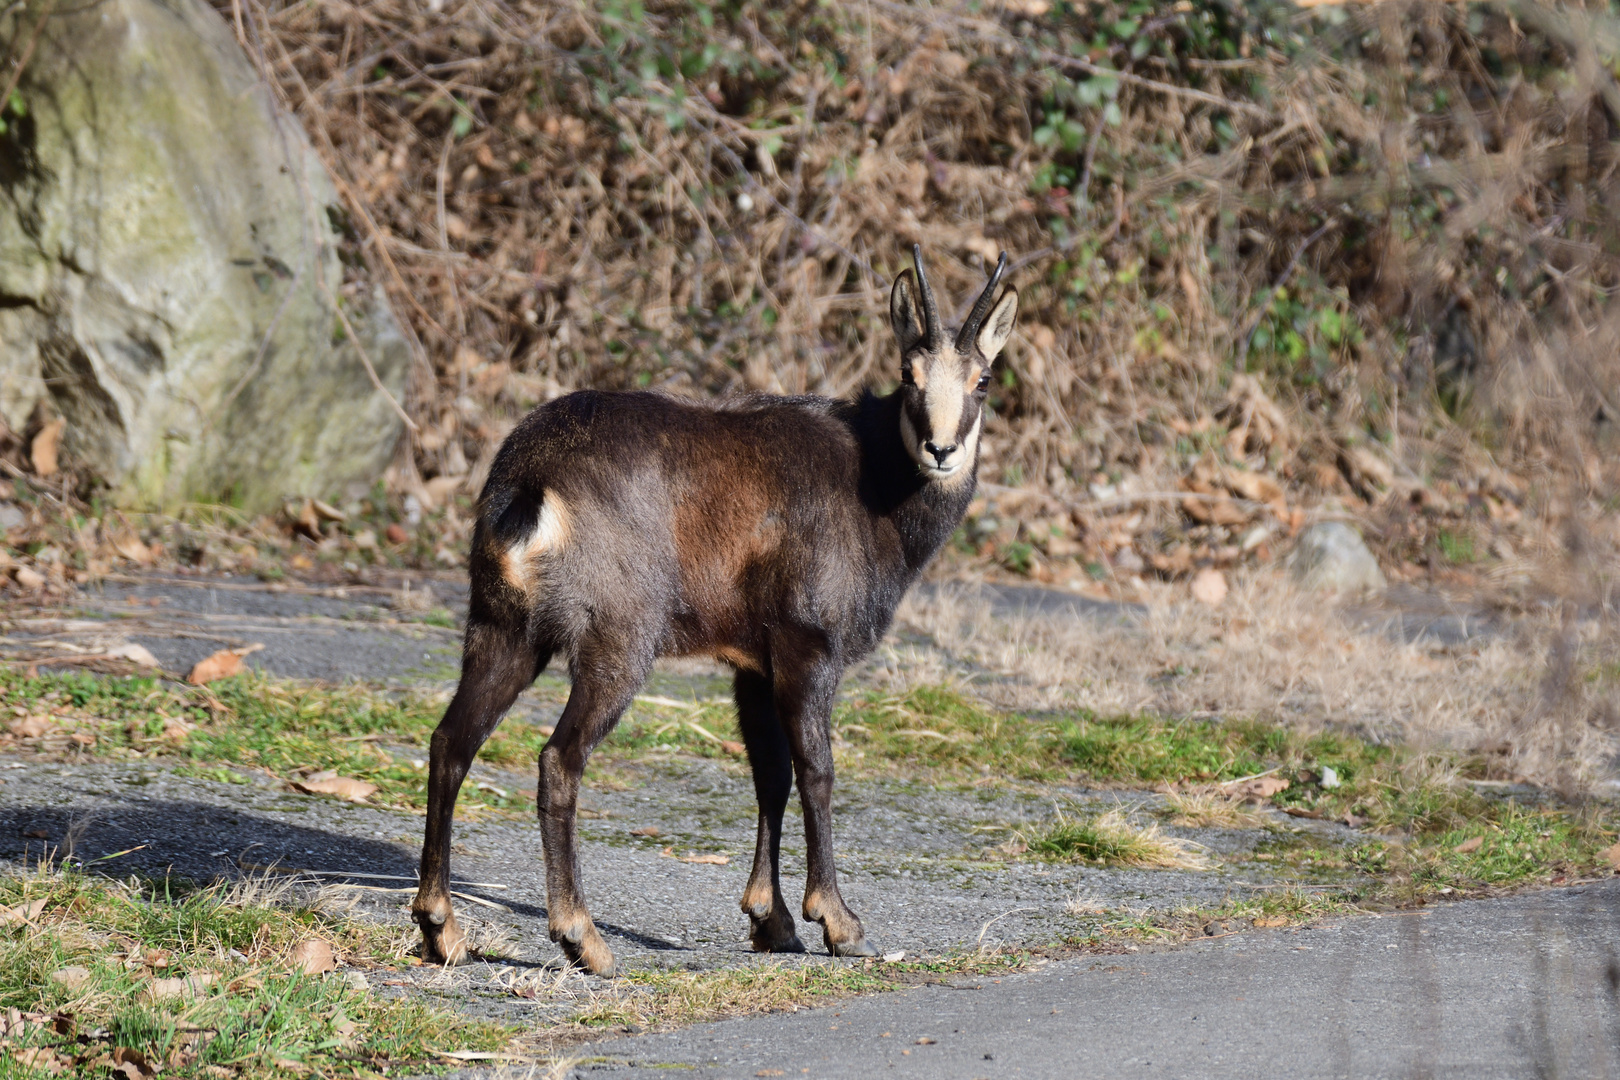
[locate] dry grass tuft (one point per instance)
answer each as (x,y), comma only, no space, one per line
(1212,810)
(1111,839)
(1274,654)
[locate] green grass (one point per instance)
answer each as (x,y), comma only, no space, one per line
(929,734)
(254,1014)
(1457,547)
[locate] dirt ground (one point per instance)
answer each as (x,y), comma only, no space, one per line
(914,860)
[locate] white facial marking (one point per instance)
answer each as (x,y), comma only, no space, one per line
(966,455)
(944,397)
(943,400)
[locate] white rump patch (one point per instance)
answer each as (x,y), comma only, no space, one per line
(550,532)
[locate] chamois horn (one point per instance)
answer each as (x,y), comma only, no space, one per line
(981,306)
(933,331)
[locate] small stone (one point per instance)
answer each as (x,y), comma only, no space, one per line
(1209,587)
(1127,561)
(1331,555)
(1330,777)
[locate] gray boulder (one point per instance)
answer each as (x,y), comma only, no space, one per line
(1331,555)
(167,254)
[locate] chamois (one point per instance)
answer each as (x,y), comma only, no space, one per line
(776,534)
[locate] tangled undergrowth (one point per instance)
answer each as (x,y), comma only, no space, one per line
(1269,257)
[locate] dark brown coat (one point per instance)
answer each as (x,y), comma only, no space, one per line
(777,534)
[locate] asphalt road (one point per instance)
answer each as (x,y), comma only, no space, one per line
(1527,986)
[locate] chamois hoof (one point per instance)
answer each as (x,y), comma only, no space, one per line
(766,937)
(584,947)
(858,947)
(443,942)
(771,928)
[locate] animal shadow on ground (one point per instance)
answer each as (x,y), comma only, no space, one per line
(199,842)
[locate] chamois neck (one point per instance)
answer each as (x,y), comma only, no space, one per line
(924,513)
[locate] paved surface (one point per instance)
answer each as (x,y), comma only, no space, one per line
(1523,987)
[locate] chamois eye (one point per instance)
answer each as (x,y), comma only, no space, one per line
(984,382)
(906,376)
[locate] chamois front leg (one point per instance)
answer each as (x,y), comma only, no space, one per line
(771,760)
(805,690)
(495,668)
(603,688)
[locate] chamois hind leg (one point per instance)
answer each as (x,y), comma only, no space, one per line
(805,690)
(606,677)
(495,667)
(772,762)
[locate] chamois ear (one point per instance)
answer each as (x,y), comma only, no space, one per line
(998,326)
(904,314)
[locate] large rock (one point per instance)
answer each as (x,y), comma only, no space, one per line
(166,256)
(1332,555)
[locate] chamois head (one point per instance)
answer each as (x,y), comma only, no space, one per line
(944,380)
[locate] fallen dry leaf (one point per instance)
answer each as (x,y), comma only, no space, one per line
(1612,854)
(25,912)
(132,1063)
(646,830)
(1473,843)
(42,451)
(1270,920)
(221,665)
(138,654)
(1209,586)
(43,1059)
(344,787)
(187,987)
(304,518)
(735,749)
(71,979)
(708,860)
(1260,788)
(133,548)
(29,727)
(312,956)
(396,534)
(326,511)
(29,578)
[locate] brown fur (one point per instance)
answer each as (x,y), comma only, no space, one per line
(777,534)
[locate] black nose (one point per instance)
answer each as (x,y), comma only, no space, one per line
(940,452)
